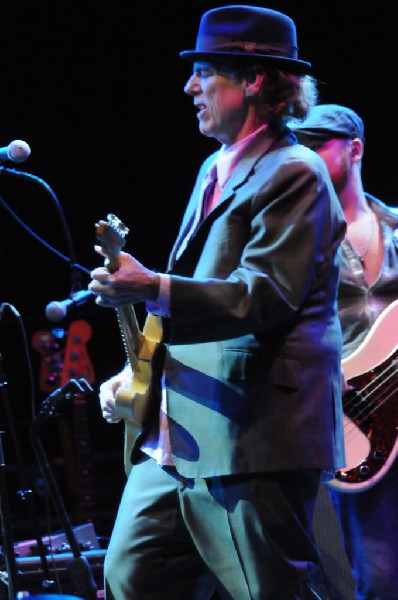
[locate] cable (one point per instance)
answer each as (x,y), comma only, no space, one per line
(72,257)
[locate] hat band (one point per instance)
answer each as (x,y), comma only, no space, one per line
(223,44)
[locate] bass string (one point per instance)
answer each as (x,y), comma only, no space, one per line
(372,397)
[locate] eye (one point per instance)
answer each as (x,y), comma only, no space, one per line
(204,72)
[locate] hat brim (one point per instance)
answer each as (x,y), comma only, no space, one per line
(315,139)
(286,64)
(322,133)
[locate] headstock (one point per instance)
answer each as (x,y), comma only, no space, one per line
(111,236)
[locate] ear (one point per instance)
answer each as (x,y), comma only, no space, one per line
(357,148)
(253,83)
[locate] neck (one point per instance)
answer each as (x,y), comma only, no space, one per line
(353,200)
(239,130)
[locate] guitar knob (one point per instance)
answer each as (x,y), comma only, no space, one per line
(379,455)
(364,470)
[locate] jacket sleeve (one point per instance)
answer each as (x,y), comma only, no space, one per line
(270,250)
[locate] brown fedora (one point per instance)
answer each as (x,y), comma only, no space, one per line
(248,33)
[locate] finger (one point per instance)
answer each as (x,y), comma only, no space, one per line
(110,419)
(99,250)
(100,273)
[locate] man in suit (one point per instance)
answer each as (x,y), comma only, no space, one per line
(227,461)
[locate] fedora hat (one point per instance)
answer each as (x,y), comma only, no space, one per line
(248,33)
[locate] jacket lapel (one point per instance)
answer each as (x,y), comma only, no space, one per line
(241,173)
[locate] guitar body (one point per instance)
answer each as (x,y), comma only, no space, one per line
(371,407)
(133,404)
(50,344)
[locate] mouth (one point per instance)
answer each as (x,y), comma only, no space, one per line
(201,109)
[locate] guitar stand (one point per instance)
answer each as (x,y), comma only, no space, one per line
(78,568)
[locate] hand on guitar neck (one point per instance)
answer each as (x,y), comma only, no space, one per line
(127,395)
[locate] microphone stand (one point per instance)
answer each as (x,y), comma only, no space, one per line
(76,269)
(25,494)
(79,568)
(6,528)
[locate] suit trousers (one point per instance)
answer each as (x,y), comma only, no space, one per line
(236,537)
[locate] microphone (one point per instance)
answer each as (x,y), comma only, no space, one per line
(17,151)
(56,310)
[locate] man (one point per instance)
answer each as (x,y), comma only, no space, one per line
(223,481)
(366,495)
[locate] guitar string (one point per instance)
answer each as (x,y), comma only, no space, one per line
(351,428)
(367,410)
(382,374)
(360,393)
(363,394)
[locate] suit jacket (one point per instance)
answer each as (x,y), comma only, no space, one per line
(253,344)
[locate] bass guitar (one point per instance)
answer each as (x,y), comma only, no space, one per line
(132,403)
(371,406)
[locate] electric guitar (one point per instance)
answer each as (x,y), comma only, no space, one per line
(371,407)
(64,356)
(132,403)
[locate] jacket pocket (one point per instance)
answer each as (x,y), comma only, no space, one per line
(244,365)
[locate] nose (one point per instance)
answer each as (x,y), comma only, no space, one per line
(192,86)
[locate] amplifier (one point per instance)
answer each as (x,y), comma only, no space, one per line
(31,576)
(64,571)
(57,542)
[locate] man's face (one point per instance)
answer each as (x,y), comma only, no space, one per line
(219,94)
(336,153)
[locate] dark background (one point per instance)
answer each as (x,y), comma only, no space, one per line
(96,91)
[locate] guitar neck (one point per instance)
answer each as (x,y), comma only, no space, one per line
(131,334)
(80,469)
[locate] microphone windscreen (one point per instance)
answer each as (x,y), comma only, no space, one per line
(18,151)
(56,311)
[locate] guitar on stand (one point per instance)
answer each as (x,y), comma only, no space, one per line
(133,404)
(65,357)
(371,407)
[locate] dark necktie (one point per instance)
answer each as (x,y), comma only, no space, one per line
(197,218)
(209,192)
